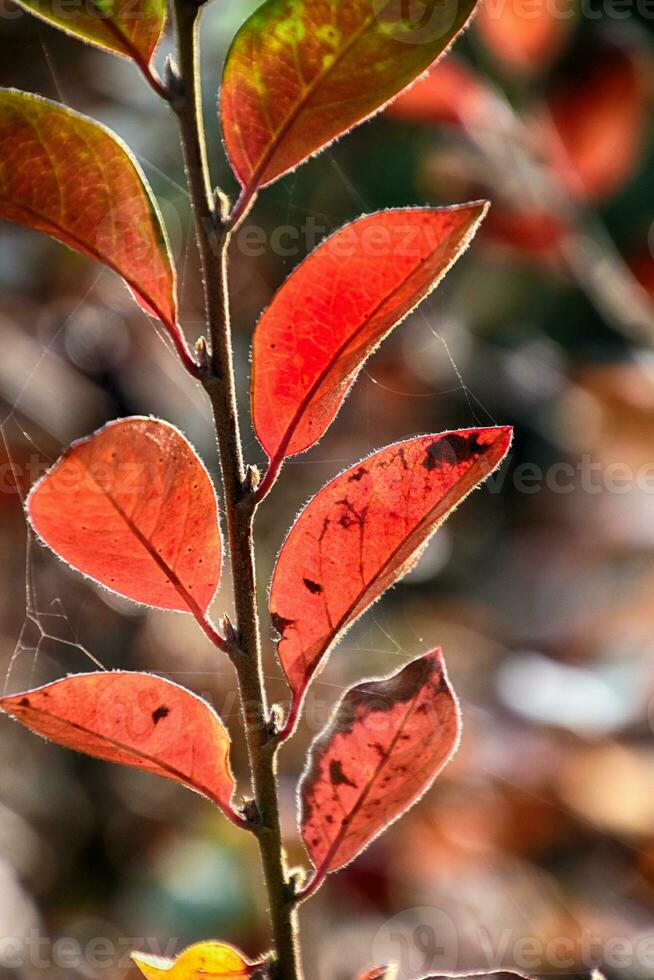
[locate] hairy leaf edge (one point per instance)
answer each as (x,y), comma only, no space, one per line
(327,732)
(157,216)
(75,445)
(62,680)
(481,205)
(298,697)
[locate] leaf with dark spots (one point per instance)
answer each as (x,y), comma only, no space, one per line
(455,449)
(137,720)
(337,307)
(357,537)
(280,625)
(365,737)
(336,775)
(133,507)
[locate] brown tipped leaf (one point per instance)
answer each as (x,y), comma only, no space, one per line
(137,720)
(386,744)
(133,507)
(363,531)
(336,307)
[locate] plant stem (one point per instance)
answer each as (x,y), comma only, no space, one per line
(213,236)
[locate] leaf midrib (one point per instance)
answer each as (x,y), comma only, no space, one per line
(192,604)
(331,363)
(366,590)
(258,171)
(64,233)
(170,770)
(324,867)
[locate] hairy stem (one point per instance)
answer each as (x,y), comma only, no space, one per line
(213,233)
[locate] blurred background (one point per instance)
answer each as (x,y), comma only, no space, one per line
(536,847)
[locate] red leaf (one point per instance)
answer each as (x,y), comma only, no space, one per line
(302,72)
(137,720)
(66,175)
(363,531)
(524,43)
(133,507)
(449,93)
(130,28)
(598,125)
(383,749)
(337,306)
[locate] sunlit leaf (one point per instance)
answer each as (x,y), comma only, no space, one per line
(450,93)
(133,507)
(385,745)
(525,42)
(209,959)
(66,175)
(137,720)
(302,72)
(337,306)
(363,531)
(130,28)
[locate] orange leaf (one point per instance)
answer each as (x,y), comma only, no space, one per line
(133,507)
(525,42)
(385,745)
(208,959)
(363,531)
(337,306)
(137,720)
(130,28)
(302,72)
(450,93)
(66,175)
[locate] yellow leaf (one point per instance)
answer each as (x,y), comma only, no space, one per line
(208,959)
